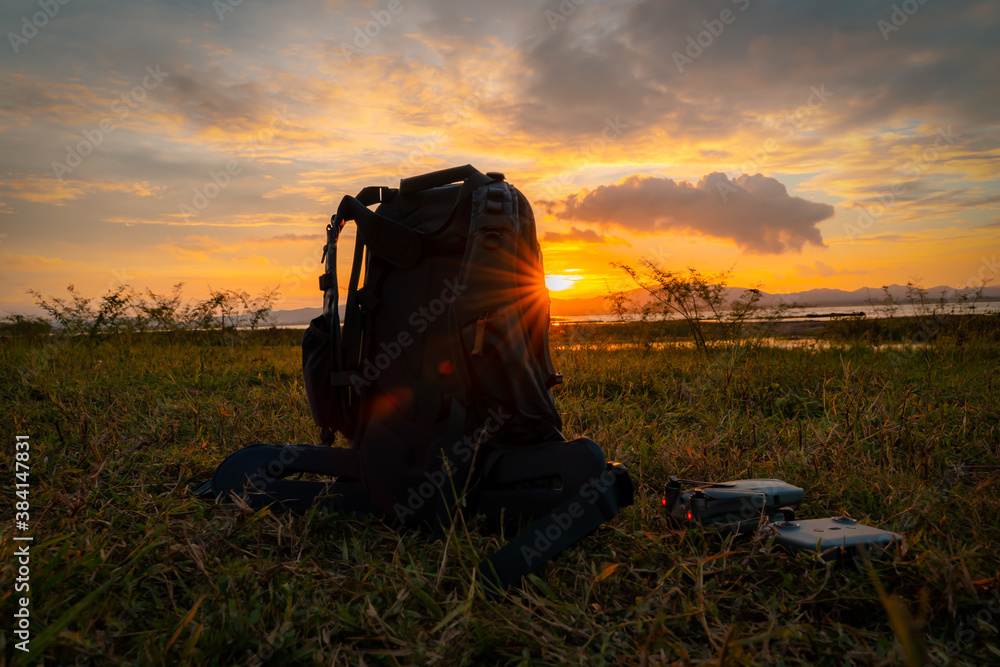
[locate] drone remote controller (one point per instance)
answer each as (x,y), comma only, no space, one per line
(835,537)
(738,506)
(746,505)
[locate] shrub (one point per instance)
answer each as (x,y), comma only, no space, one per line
(702,302)
(124,310)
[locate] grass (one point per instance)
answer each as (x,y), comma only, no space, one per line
(127,567)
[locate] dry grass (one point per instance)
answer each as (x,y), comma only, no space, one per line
(129,568)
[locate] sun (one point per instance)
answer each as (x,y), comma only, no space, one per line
(557,282)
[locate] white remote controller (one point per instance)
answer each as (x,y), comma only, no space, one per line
(835,537)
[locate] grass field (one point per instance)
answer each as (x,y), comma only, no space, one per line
(127,567)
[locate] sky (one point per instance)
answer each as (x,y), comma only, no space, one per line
(801,144)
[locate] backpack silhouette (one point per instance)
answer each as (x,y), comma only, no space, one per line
(439,378)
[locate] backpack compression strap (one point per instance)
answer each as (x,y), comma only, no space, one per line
(597,502)
(397,244)
(257,472)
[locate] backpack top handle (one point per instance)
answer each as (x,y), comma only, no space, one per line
(470,178)
(436,179)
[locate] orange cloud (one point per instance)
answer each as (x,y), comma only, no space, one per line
(50,190)
(36,262)
(756,212)
(290,238)
(575,234)
(196,248)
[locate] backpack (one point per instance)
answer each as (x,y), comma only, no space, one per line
(440,379)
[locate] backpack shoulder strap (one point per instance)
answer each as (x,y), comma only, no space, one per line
(397,244)
(597,502)
(257,474)
(389,239)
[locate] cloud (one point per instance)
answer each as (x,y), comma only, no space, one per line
(575,234)
(824,270)
(210,98)
(35,262)
(761,64)
(50,190)
(748,99)
(196,248)
(290,238)
(235,220)
(885,239)
(755,212)
(27,99)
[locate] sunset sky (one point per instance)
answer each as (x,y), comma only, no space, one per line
(805,144)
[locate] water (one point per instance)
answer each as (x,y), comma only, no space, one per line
(813,313)
(783,343)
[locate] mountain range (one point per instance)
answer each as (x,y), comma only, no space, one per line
(598,305)
(822,296)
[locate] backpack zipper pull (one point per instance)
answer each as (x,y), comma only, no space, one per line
(477,349)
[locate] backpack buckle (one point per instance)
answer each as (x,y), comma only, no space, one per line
(367,298)
(495,195)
